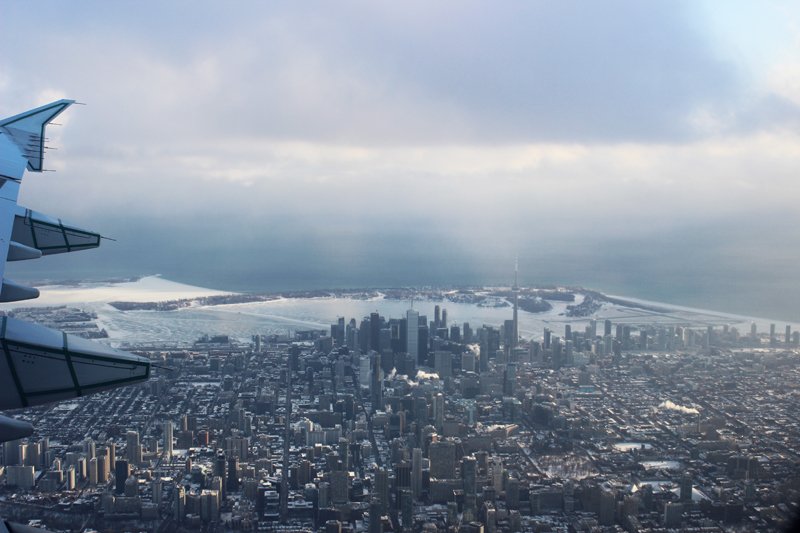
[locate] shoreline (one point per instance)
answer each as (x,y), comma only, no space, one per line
(156,294)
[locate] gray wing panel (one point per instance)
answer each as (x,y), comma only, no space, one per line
(51,235)
(45,365)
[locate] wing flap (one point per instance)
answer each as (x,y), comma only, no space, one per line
(50,235)
(46,365)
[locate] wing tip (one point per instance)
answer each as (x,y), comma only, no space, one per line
(26,130)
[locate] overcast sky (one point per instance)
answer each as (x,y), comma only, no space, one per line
(499,128)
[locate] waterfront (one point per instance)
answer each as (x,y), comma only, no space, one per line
(284,316)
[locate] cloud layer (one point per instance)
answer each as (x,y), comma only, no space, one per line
(552,130)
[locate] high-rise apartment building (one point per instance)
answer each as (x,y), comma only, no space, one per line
(168,439)
(134,449)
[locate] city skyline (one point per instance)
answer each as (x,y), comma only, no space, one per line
(503,435)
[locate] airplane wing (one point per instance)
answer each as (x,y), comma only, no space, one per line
(25,234)
(40,365)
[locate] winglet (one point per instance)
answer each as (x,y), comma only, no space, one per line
(27,131)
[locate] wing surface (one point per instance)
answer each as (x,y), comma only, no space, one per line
(50,235)
(41,365)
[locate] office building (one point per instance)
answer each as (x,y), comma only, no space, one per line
(412,334)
